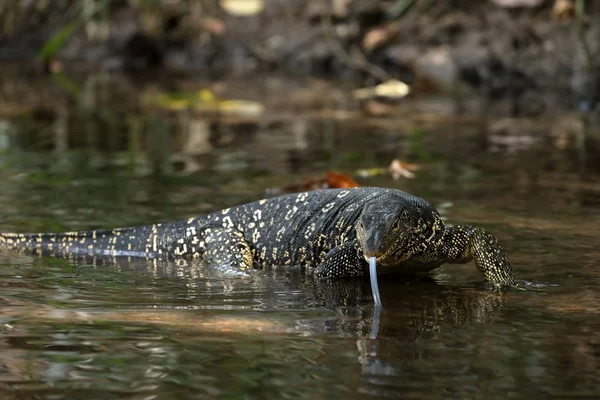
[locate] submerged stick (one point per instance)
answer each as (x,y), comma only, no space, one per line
(374,283)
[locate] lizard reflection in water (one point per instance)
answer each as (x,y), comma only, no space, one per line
(330,232)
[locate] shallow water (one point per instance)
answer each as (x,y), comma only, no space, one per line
(161,330)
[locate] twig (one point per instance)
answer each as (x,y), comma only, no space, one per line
(336,47)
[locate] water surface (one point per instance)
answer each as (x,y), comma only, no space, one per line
(70,329)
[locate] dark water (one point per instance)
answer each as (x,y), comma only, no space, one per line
(162,331)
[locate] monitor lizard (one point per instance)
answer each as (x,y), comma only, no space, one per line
(331,232)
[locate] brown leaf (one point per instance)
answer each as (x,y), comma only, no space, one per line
(400,169)
(378,36)
(331,180)
(563,10)
(337,180)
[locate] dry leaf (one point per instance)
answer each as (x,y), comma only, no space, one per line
(242,8)
(563,10)
(378,36)
(331,180)
(337,180)
(392,89)
(400,169)
(244,108)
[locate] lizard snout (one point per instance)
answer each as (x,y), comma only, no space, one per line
(373,243)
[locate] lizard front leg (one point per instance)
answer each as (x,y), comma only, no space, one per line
(464,243)
(343,261)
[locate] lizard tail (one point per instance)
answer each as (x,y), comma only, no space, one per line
(99,242)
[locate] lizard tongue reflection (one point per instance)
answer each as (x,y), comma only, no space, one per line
(374,283)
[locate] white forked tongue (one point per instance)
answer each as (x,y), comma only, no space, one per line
(374,284)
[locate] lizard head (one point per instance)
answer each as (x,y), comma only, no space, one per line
(392,229)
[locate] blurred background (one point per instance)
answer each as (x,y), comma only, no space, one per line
(256,95)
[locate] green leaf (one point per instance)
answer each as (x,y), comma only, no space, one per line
(57,41)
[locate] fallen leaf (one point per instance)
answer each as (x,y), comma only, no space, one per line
(392,89)
(245,108)
(242,8)
(337,180)
(400,169)
(563,10)
(378,36)
(331,180)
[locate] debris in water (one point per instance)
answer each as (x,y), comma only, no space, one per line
(331,180)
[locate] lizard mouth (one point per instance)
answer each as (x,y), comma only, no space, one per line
(388,256)
(378,258)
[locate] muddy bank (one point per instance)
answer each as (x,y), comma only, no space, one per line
(523,60)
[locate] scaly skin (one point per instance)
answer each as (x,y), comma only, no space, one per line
(331,232)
